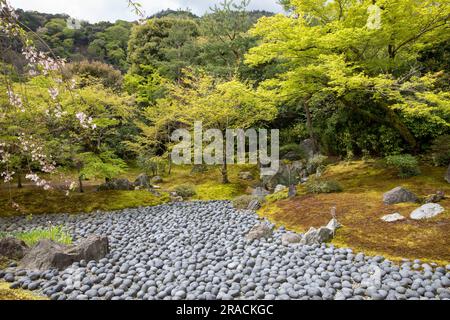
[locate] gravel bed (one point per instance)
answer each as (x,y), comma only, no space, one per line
(197,250)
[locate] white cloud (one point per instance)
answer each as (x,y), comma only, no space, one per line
(112,10)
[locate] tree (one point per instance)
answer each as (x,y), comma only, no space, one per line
(225,31)
(330,53)
(200,97)
(166,44)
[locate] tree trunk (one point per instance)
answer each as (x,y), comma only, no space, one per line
(403,130)
(170,164)
(224,168)
(310,126)
(19,180)
(80,184)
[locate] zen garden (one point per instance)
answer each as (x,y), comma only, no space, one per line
(95,204)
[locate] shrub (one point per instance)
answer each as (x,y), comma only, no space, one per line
(93,72)
(292,151)
(294,134)
(323,186)
(242,202)
(185,191)
(440,150)
(406,165)
(315,162)
(277,196)
(54,233)
(152,165)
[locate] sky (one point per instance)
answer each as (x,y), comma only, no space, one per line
(112,10)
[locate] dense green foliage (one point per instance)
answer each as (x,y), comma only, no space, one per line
(324,71)
(406,165)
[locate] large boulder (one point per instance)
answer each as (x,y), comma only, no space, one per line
(287,174)
(392,217)
(399,195)
(447,174)
(307,146)
(47,254)
(428,210)
(13,248)
(258,231)
(116,184)
(290,238)
(142,181)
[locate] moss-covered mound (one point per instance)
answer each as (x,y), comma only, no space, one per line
(360,207)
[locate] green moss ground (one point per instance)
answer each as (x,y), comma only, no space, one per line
(17,294)
(360,207)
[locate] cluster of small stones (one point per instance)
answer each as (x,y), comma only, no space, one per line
(197,250)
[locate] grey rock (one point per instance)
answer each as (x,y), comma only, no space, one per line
(399,195)
(116,184)
(317,236)
(142,181)
(261,230)
(289,238)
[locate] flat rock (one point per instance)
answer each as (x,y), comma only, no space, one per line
(392,217)
(399,195)
(428,210)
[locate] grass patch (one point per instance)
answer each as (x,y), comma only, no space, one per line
(32,200)
(54,233)
(17,294)
(360,207)
(207,185)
